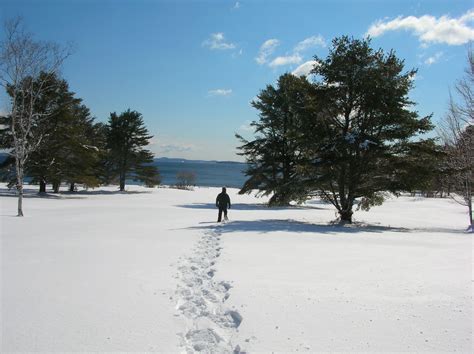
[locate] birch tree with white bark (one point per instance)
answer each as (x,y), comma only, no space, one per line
(25,64)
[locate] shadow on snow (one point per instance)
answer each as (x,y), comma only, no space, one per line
(289,225)
(64,195)
(250,206)
(264,226)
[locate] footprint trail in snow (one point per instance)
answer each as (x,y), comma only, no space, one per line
(201,300)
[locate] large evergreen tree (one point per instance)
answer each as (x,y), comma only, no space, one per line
(81,149)
(67,152)
(361,139)
(273,156)
(127,138)
(70,149)
(348,137)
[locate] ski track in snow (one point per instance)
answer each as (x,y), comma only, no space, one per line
(201,300)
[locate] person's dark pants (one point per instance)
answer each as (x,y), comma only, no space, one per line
(220,214)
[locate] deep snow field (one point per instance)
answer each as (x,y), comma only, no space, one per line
(150,270)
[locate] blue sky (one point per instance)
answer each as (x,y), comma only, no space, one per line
(192,67)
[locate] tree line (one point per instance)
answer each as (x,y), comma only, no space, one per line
(74,148)
(51,135)
(350,134)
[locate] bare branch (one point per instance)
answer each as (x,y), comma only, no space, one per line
(457,133)
(25,67)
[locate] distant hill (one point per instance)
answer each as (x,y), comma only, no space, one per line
(178,160)
(4,155)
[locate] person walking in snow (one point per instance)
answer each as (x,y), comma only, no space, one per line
(222,202)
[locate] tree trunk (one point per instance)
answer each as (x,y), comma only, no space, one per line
(346,216)
(123,173)
(56,187)
(468,200)
(122,181)
(20,199)
(42,187)
(19,184)
(72,187)
(471,227)
(346,203)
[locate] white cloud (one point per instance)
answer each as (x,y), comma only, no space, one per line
(267,49)
(305,68)
(220,92)
(285,60)
(236,6)
(217,41)
(269,46)
(433,59)
(310,43)
(429,29)
(167,148)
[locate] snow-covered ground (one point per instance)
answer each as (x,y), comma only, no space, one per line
(150,270)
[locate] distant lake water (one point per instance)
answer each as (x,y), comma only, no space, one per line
(208,173)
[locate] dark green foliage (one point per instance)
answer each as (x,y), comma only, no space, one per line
(67,152)
(126,138)
(363,142)
(102,167)
(275,154)
(7,162)
(70,147)
(6,139)
(421,169)
(352,135)
(74,149)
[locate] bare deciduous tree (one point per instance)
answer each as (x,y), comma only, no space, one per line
(25,66)
(457,132)
(185,180)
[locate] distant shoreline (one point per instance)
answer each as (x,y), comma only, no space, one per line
(208,173)
(3,155)
(177,159)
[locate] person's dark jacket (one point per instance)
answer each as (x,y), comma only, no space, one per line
(223,201)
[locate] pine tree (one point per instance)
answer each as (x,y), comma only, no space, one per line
(126,138)
(7,165)
(103,168)
(348,137)
(69,150)
(273,156)
(67,153)
(82,153)
(360,141)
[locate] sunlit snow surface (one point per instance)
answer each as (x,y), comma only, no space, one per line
(150,270)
